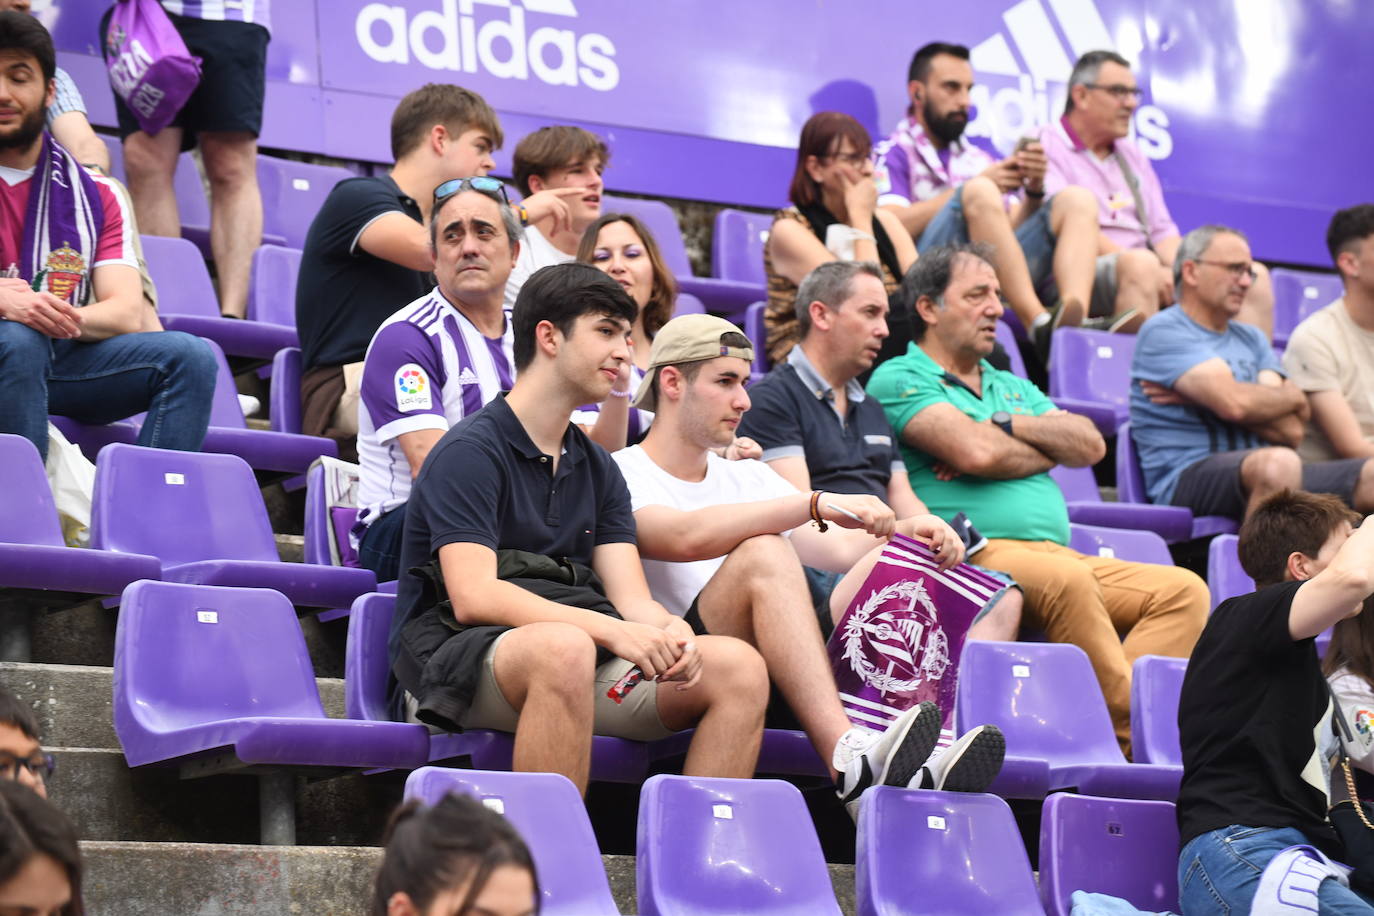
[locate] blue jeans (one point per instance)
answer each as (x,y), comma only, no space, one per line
(1036,238)
(1219,872)
(169,374)
(379,548)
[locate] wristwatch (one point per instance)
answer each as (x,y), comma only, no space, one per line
(1003,419)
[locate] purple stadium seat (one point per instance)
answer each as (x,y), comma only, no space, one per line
(687,304)
(1087,507)
(272,290)
(292,193)
(203,516)
(323,523)
(366,673)
(737,246)
(757,332)
(549,814)
(1090,374)
(1122,543)
(116,156)
(940,854)
(1225,577)
(1130,486)
(1007,338)
(726,297)
(723,846)
(284,406)
(214,680)
(1046,700)
(1156,681)
(34,556)
(193,207)
(186,302)
(1120,847)
(1297,294)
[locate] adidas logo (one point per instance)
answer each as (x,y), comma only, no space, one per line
(1040,65)
(467,377)
(452,38)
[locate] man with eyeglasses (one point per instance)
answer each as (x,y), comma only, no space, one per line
(436,361)
(21,755)
(1089,147)
(948,188)
(1213,418)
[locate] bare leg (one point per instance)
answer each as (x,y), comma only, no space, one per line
(235,212)
(1266,471)
(1073,219)
(1002,622)
(759,594)
(1363,497)
(1137,281)
(150,163)
(546,671)
(987,222)
(726,706)
(1258,307)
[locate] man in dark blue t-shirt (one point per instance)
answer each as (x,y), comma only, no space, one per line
(1255,712)
(523,606)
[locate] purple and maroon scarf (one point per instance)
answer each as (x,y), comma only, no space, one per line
(62,225)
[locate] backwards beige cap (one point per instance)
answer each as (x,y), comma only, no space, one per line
(687,339)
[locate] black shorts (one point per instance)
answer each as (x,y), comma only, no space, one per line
(1212,486)
(233,78)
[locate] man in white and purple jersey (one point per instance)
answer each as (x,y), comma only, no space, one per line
(948,188)
(224,117)
(436,361)
(1089,148)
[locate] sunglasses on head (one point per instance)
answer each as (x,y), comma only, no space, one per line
(480,183)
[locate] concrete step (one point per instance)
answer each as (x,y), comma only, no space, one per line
(177,879)
(73,702)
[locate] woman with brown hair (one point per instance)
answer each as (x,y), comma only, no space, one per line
(834,216)
(1349,668)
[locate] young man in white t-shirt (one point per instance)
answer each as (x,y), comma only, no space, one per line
(723,544)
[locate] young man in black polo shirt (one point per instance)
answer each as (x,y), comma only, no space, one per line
(1255,712)
(529,523)
(820,431)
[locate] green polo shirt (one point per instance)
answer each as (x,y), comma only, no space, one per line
(1027,509)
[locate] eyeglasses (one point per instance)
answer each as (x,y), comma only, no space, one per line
(853,160)
(1119,92)
(480,183)
(40,766)
(1237,269)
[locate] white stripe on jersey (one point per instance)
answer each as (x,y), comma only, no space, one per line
(385,473)
(235,10)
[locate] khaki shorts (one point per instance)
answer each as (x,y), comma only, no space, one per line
(635,718)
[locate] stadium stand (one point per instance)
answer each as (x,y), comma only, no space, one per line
(1090,374)
(1155,684)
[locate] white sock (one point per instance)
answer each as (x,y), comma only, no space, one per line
(1040,319)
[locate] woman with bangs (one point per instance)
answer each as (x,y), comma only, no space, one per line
(834,216)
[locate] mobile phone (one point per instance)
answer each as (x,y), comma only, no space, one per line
(1025,142)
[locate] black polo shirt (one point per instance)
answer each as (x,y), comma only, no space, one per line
(793,414)
(486,482)
(343,294)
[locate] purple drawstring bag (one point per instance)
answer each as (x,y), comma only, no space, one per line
(150,67)
(899,641)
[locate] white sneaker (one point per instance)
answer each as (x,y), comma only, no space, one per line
(892,758)
(968,765)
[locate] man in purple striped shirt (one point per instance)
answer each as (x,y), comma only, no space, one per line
(1089,147)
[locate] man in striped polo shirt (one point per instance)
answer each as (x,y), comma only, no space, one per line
(435,361)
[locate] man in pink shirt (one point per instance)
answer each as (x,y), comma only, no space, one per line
(1090,148)
(71,298)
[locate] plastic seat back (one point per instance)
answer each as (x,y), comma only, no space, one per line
(1044,696)
(284,408)
(687,304)
(549,813)
(1077,484)
(737,245)
(225,410)
(193,206)
(1225,576)
(1092,366)
(272,290)
(1121,543)
(757,332)
(1299,293)
(183,281)
(937,853)
(28,514)
(1156,683)
(116,149)
(1130,480)
(188,655)
(1125,848)
(292,193)
(179,506)
(1007,338)
(366,668)
(661,222)
(728,846)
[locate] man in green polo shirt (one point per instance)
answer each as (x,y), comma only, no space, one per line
(982,440)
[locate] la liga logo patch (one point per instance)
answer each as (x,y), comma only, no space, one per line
(412,388)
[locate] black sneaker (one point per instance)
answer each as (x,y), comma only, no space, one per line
(892,758)
(968,765)
(1127,322)
(1062,315)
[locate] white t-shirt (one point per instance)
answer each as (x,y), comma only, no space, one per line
(676,585)
(1330,352)
(535,252)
